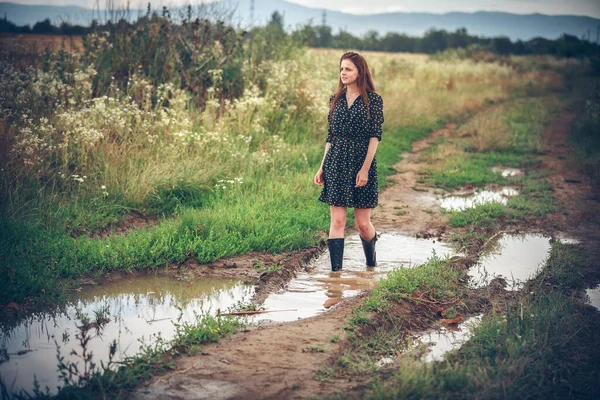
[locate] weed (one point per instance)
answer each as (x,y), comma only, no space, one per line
(317,348)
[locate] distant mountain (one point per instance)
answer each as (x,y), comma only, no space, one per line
(489,24)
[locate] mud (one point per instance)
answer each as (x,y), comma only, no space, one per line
(405,205)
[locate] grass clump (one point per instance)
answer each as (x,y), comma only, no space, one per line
(584,133)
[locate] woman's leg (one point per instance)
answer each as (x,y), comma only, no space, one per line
(362,216)
(368,236)
(338,222)
(336,237)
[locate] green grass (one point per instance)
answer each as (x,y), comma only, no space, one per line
(482,215)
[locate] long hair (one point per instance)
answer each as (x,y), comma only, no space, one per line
(364,81)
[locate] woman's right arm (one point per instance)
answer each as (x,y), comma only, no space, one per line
(319,176)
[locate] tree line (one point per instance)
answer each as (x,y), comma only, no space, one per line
(433,41)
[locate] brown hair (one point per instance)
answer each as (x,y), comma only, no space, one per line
(364,81)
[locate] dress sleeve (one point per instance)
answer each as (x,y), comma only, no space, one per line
(376,111)
(329,138)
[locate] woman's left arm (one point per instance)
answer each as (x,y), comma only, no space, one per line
(363,175)
(376,107)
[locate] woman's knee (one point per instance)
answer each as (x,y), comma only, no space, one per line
(363,225)
(338,222)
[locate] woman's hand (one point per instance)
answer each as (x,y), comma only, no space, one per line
(319,177)
(362,177)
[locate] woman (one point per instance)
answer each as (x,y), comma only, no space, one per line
(348,171)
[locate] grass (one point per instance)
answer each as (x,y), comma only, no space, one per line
(585,130)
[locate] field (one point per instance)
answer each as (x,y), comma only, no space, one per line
(115,162)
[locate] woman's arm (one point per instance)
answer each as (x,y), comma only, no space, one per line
(373,143)
(319,176)
(363,175)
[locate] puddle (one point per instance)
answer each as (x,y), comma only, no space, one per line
(594,297)
(507,172)
(139,309)
(514,257)
(470,200)
(322,288)
(440,341)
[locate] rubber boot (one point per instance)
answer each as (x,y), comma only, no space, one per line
(336,253)
(369,248)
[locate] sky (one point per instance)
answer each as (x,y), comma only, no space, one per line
(590,8)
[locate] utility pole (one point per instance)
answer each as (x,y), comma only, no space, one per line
(589,35)
(251,13)
(324,18)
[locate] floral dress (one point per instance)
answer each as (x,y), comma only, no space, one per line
(349,134)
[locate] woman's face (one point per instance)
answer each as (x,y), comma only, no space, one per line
(348,72)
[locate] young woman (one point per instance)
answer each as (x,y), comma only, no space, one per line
(348,171)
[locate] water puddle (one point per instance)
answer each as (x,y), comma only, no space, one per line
(440,341)
(138,308)
(507,172)
(593,296)
(514,257)
(459,202)
(322,288)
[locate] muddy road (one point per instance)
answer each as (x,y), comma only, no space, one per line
(282,360)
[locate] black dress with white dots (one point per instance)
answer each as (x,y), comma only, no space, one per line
(350,131)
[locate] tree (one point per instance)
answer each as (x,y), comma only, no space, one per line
(44,26)
(276,21)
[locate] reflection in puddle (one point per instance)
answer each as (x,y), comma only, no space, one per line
(594,297)
(441,341)
(514,257)
(507,172)
(321,288)
(462,202)
(139,309)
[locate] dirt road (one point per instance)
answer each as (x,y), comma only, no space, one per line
(282,360)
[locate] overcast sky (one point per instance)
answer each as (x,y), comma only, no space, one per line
(589,8)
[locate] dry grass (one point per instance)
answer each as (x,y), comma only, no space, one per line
(36,44)
(414,87)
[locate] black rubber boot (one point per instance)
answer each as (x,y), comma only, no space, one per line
(336,253)
(369,248)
